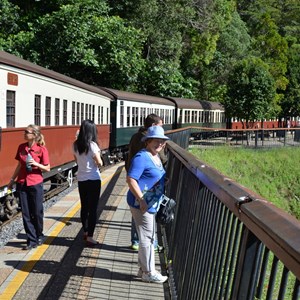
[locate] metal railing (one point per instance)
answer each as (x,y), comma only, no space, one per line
(226,242)
(254,138)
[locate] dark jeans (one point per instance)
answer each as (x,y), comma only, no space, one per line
(89,192)
(31,200)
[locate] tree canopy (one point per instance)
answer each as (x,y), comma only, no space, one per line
(186,48)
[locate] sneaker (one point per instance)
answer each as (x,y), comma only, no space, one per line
(135,247)
(155,277)
(159,248)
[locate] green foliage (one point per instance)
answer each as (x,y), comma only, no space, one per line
(233,45)
(174,47)
(291,104)
(251,91)
(87,45)
(273,174)
(9,19)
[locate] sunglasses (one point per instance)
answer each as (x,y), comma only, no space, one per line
(28,132)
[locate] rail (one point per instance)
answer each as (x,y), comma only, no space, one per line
(226,242)
(251,138)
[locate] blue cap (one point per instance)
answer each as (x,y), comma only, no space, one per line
(155,132)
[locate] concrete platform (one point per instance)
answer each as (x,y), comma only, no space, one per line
(63,268)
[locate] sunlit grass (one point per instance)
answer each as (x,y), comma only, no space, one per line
(272,173)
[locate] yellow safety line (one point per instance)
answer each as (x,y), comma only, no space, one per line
(22,274)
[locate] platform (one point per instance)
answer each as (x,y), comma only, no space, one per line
(63,268)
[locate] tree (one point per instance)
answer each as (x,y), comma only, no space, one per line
(251,92)
(233,45)
(9,19)
(291,102)
(82,41)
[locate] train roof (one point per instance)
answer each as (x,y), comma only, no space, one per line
(121,95)
(196,104)
(20,63)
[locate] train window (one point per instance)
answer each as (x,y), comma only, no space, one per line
(102,115)
(82,112)
(211,117)
(128,117)
(57,102)
(73,112)
(37,110)
(142,115)
(86,111)
(90,112)
(107,116)
(65,111)
(180,116)
(187,116)
(98,115)
(136,116)
(167,116)
(48,111)
(93,112)
(121,114)
(206,116)
(132,116)
(10,108)
(193,116)
(78,113)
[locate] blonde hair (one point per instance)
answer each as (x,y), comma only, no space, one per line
(39,138)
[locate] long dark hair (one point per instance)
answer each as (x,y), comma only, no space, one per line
(87,134)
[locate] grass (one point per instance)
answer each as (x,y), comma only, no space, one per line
(272,173)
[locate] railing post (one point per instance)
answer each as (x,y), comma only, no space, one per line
(246,268)
(256,138)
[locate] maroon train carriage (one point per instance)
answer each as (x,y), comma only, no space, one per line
(59,140)
(31,94)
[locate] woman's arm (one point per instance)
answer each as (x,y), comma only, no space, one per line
(136,191)
(97,159)
(13,177)
(40,166)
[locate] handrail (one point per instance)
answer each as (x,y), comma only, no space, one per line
(262,224)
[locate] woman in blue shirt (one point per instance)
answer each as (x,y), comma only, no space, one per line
(146,178)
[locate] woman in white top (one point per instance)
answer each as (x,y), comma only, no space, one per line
(87,155)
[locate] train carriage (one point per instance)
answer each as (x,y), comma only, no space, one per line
(31,94)
(199,113)
(128,111)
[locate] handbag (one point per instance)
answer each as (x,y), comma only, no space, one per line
(166,212)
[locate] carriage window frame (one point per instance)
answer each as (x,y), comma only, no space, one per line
(10,108)
(73,112)
(65,112)
(48,111)
(37,110)
(57,111)
(82,112)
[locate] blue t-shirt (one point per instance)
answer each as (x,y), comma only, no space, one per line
(150,178)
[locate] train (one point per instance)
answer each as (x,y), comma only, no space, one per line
(31,94)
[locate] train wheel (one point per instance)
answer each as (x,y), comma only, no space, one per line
(70,177)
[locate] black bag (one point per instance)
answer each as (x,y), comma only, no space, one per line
(166,212)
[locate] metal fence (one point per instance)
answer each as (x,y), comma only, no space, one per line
(254,138)
(226,242)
